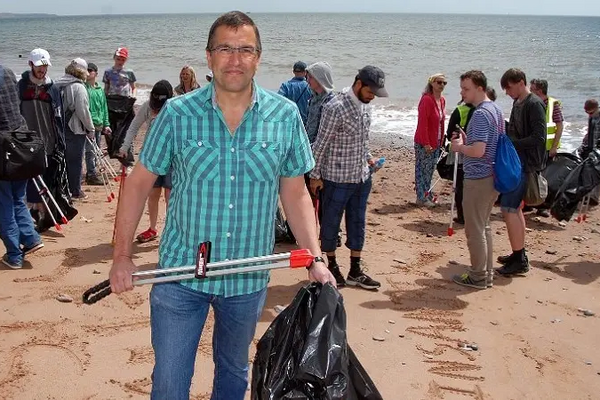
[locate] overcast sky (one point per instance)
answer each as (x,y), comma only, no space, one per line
(535,7)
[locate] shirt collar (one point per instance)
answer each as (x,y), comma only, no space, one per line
(355,99)
(255,96)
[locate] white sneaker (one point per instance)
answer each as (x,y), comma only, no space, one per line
(427,203)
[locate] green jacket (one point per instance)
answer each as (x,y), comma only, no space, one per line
(98,105)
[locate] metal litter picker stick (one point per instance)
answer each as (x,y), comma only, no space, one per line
(454,178)
(203,269)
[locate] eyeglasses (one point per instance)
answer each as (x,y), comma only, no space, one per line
(92,70)
(244,51)
(441,83)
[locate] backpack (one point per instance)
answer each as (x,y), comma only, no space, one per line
(507,164)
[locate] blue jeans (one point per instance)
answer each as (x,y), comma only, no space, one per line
(74,159)
(90,158)
(16,224)
(349,199)
(177,317)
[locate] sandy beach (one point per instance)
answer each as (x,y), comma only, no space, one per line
(532,339)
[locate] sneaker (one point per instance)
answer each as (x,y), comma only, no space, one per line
(10,264)
(489,280)
(466,280)
(32,249)
(80,196)
(339,278)
(516,267)
(426,203)
(147,235)
(505,259)
(93,180)
(542,212)
(363,280)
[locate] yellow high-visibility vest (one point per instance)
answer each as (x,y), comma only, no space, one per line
(550,125)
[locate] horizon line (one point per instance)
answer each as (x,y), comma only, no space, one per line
(33,15)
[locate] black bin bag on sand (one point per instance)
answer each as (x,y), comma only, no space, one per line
(556,172)
(580,182)
(304,353)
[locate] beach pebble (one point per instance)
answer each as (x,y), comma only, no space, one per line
(378,339)
(594,230)
(555,320)
(405,364)
(578,238)
(399,261)
(387,331)
(562,224)
(528,230)
(452,262)
(495,323)
(96,272)
(278,309)
(537,219)
(587,313)
(429,356)
(533,316)
(391,321)
(474,347)
(64,298)
(552,252)
(84,219)
(429,235)
(588,363)
(401,335)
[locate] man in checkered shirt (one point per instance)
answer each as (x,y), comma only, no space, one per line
(343,171)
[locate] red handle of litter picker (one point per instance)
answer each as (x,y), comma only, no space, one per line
(302,258)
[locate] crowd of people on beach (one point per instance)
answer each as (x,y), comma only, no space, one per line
(224,156)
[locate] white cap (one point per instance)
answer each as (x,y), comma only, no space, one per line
(39,57)
(80,63)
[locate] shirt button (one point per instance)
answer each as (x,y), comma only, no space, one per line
(232,150)
(199,143)
(264,145)
(230,206)
(232,177)
(228,234)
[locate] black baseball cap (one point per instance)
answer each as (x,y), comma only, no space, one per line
(374,78)
(161,92)
(92,67)
(300,66)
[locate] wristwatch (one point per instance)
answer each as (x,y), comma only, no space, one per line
(316,260)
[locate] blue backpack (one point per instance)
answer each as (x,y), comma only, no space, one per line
(507,166)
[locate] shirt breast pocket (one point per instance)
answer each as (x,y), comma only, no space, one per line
(262,160)
(351,125)
(200,160)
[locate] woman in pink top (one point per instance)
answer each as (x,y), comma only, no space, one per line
(429,137)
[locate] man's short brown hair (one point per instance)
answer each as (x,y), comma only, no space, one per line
(477,77)
(234,20)
(590,105)
(512,76)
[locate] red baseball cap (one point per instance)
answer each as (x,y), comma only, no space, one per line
(122,52)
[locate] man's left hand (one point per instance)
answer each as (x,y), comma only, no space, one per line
(320,273)
(552,152)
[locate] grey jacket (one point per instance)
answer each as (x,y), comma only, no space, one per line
(76,104)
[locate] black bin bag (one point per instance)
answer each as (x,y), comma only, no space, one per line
(305,355)
(120,115)
(556,172)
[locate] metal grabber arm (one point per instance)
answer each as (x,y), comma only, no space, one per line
(302,258)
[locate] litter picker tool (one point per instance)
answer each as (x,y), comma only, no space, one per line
(110,171)
(46,197)
(583,208)
(121,191)
(205,269)
(454,177)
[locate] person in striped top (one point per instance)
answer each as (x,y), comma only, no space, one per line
(232,148)
(478,145)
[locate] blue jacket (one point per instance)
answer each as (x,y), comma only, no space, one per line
(297,90)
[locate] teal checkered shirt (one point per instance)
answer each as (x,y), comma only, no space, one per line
(225,186)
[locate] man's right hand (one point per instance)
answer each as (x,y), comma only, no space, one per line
(120,275)
(315,186)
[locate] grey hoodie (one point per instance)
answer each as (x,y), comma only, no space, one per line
(75,104)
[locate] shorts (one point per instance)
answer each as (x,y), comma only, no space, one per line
(164,181)
(511,202)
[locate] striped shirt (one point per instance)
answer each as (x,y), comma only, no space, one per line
(485,125)
(341,149)
(10,114)
(225,186)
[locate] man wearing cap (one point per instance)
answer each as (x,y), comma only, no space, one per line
(342,173)
(41,105)
(99,112)
(320,82)
(78,121)
(119,80)
(297,90)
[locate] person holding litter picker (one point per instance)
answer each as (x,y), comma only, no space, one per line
(232,148)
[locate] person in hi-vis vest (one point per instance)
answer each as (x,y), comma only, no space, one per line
(554,116)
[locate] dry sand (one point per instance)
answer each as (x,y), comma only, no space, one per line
(533,343)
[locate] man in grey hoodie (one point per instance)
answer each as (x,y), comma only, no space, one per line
(321,84)
(78,121)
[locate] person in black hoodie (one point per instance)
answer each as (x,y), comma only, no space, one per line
(527,131)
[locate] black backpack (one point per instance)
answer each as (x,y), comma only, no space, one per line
(22,155)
